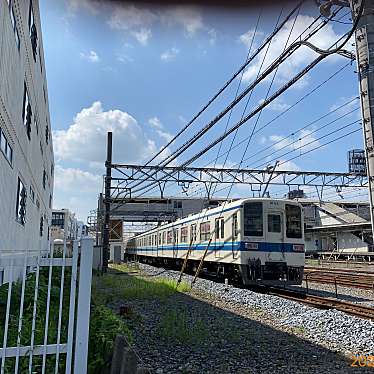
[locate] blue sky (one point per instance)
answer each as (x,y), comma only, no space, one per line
(143,72)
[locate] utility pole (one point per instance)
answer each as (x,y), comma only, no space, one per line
(364,36)
(108,182)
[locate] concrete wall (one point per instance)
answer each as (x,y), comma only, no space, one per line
(30,157)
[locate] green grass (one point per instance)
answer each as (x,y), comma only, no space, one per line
(116,284)
(179,325)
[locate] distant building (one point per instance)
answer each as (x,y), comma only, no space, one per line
(64,225)
(26,151)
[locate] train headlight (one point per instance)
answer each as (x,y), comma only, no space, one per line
(298,247)
(252,246)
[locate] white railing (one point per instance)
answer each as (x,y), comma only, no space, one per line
(35,274)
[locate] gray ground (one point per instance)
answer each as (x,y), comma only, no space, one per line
(213,330)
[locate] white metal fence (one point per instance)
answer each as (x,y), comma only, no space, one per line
(44,315)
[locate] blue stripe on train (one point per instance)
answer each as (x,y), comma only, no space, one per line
(237,246)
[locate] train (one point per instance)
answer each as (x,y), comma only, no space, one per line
(257,241)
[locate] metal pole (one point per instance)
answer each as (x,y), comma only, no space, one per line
(364,36)
(108,179)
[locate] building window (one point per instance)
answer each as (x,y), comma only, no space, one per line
(32,194)
(36,126)
(52,169)
(50,201)
(14,24)
(5,147)
(40,62)
(27,113)
(44,178)
(41,226)
(46,134)
(37,203)
(177,205)
(41,147)
(33,32)
(21,203)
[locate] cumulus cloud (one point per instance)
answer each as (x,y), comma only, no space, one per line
(84,141)
(142,35)
(138,20)
(322,39)
(351,103)
(91,56)
(159,128)
(278,105)
(169,55)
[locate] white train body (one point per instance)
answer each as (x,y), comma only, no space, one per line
(259,240)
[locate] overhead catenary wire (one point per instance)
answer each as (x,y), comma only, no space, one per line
(289,51)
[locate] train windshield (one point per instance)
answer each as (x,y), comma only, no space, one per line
(293,222)
(253,219)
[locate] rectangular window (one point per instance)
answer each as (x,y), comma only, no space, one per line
(44,178)
(184,234)
(41,228)
(14,23)
(21,203)
(159,239)
(253,219)
(164,237)
(176,235)
(204,231)
(170,237)
(32,194)
(46,134)
(293,222)
(220,228)
(5,147)
(274,223)
(235,225)
(193,233)
(33,32)
(26,112)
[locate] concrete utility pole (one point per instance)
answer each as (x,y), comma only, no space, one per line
(108,181)
(364,36)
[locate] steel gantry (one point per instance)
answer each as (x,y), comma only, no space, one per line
(184,177)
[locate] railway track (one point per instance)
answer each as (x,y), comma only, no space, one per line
(341,277)
(320,302)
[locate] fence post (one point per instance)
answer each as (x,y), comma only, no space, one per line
(83,312)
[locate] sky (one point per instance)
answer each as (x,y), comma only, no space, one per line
(143,72)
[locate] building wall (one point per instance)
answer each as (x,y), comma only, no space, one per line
(31,157)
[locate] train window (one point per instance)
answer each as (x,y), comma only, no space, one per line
(170,237)
(274,223)
(253,219)
(176,234)
(204,231)
(235,225)
(193,233)
(159,239)
(220,228)
(163,237)
(293,222)
(184,234)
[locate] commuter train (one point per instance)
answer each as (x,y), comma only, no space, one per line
(256,241)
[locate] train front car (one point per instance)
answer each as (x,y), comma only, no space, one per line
(272,242)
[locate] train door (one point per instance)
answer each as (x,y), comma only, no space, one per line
(175,242)
(275,229)
(234,236)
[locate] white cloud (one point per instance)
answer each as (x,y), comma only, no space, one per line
(278,105)
(247,38)
(138,20)
(142,35)
(169,55)
(68,179)
(322,39)
(352,102)
(91,56)
(212,36)
(287,165)
(85,140)
(159,128)
(294,143)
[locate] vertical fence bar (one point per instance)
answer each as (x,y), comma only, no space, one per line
(10,283)
(73,287)
(84,298)
(21,312)
(33,326)
(47,311)
(60,306)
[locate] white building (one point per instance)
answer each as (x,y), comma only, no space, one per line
(26,155)
(64,225)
